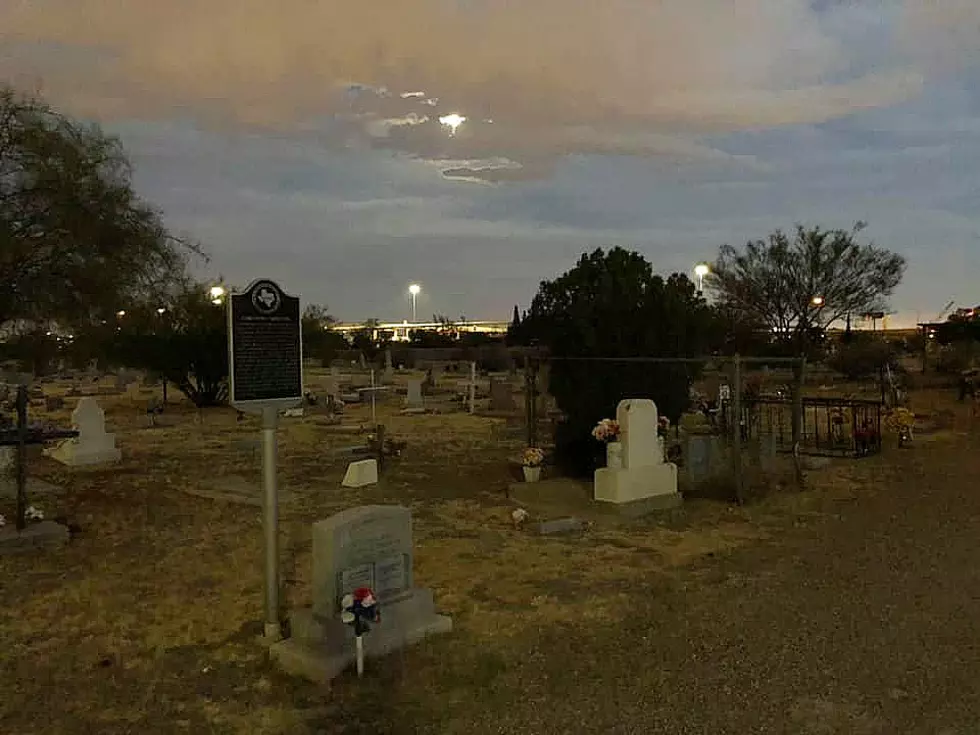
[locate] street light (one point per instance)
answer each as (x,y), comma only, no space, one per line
(701,270)
(415,289)
(217,293)
(817,301)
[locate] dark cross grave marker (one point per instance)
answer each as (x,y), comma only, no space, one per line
(21,437)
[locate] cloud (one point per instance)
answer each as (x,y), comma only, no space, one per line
(553,76)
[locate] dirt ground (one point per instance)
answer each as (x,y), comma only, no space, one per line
(148,621)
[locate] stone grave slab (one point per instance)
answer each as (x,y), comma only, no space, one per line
(361,473)
(35,536)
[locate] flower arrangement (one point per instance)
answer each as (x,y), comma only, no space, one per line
(360,609)
(902,421)
(606,431)
(532,457)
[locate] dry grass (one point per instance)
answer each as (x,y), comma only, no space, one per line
(146,622)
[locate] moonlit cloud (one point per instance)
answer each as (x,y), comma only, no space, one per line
(579,73)
(302,139)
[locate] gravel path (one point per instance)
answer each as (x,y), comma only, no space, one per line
(861,621)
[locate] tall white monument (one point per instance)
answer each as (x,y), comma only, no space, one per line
(644,476)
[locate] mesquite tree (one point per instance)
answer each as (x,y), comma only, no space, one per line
(76,243)
(797,285)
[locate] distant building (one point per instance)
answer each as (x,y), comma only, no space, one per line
(401,331)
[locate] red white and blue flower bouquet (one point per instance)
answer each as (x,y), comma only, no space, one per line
(360,610)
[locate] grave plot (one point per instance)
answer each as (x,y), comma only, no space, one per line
(28,529)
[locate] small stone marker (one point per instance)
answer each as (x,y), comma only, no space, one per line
(362,473)
(561,525)
(93,445)
(293,413)
(366,546)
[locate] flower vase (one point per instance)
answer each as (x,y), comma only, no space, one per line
(614,455)
(532,474)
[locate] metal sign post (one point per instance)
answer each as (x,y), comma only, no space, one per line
(265,373)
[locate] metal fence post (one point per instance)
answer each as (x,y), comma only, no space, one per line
(737,423)
(799,370)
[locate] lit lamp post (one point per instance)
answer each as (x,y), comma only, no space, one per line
(217,294)
(415,289)
(701,270)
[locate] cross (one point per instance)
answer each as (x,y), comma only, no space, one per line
(21,437)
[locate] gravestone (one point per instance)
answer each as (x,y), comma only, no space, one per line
(331,387)
(366,546)
(123,380)
(697,457)
(389,371)
(93,445)
(54,403)
(361,473)
(645,480)
(8,460)
(501,396)
(414,397)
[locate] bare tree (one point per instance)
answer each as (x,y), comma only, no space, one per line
(76,242)
(795,284)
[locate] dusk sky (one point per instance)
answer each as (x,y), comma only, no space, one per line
(301,140)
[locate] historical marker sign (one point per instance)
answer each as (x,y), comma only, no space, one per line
(265,347)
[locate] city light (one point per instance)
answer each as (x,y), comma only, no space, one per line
(701,270)
(217,294)
(121,313)
(415,289)
(817,301)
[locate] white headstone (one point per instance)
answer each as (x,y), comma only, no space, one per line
(93,444)
(638,419)
(359,474)
(644,480)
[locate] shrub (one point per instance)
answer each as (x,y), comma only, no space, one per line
(861,359)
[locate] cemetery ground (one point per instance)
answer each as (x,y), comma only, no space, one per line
(849,607)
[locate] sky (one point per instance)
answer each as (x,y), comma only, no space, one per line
(301,140)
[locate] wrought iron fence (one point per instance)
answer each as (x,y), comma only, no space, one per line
(830,426)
